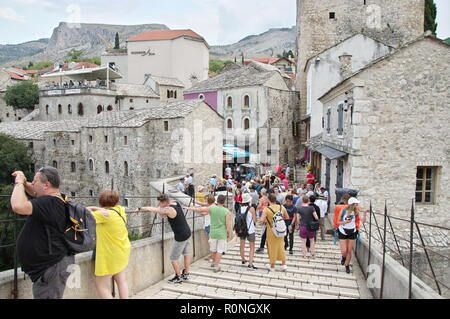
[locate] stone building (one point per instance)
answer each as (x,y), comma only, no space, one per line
(7,112)
(322,24)
(83,102)
(390,140)
(328,68)
(126,150)
(180,54)
(259,110)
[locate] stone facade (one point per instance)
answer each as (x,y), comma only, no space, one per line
(254,101)
(126,150)
(398,123)
(322,24)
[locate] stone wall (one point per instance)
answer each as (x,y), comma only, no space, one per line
(404,116)
(391,22)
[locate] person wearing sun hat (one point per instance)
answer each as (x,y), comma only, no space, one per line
(348,222)
(246,208)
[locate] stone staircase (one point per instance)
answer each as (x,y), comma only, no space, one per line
(321,277)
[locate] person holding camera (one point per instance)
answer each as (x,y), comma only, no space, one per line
(348,223)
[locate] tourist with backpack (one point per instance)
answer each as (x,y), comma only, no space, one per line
(43,250)
(350,217)
(308,223)
(336,214)
(273,216)
(292,211)
(113,247)
(245,228)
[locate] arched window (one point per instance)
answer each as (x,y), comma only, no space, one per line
(229,124)
(55,164)
(246,123)
(175,94)
(69,109)
(201,97)
(246,101)
(110,108)
(59,108)
(73,167)
(230,102)
(99,109)
(80,109)
(125,168)
(107,167)
(91,164)
(46,109)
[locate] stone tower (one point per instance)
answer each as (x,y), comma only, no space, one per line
(323,23)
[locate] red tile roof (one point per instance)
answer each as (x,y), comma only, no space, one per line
(18,70)
(15,76)
(268,60)
(85,65)
(164,35)
(31,71)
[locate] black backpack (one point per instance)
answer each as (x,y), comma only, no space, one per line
(79,235)
(240,224)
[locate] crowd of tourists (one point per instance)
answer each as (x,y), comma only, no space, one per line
(270,201)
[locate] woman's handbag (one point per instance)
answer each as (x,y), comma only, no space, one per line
(314,225)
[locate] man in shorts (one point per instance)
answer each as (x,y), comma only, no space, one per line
(251,230)
(182,232)
(221,228)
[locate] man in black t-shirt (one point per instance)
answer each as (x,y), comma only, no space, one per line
(40,245)
(182,235)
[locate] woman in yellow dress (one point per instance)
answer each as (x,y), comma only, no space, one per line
(275,245)
(112,246)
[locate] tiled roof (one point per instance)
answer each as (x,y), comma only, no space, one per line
(171,110)
(15,76)
(34,130)
(162,80)
(250,75)
(136,90)
(164,35)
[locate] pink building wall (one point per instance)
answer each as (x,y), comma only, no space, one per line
(210,98)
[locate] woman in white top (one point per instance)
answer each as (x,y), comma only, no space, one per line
(251,230)
(348,229)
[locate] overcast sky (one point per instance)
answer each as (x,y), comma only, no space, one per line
(219,21)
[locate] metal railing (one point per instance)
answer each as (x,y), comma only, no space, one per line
(14,222)
(382,231)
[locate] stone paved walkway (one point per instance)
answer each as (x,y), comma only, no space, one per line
(322,277)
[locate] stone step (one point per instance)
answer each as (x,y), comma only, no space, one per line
(238,267)
(294,258)
(326,286)
(297,264)
(225,289)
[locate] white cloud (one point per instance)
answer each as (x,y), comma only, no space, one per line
(47,3)
(11,14)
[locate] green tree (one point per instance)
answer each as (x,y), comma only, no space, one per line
(216,66)
(13,156)
(40,65)
(24,95)
(74,55)
(430,16)
(29,65)
(117,42)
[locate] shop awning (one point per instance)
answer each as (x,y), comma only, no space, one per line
(90,74)
(330,152)
(235,151)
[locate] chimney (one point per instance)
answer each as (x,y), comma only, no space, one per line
(345,62)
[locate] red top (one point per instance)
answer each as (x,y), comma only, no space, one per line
(238,198)
(310,178)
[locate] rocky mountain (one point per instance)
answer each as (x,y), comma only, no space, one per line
(269,43)
(89,38)
(65,37)
(10,52)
